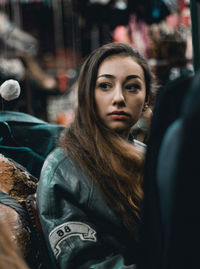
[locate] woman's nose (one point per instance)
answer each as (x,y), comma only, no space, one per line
(118,97)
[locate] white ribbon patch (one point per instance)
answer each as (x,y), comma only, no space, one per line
(68,229)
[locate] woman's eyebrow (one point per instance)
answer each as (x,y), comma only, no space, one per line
(133,76)
(112,76)
(106,75)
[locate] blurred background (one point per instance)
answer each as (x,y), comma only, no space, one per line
(44,42)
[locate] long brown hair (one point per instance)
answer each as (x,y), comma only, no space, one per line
(113,163)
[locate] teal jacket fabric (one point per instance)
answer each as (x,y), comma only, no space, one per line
(27,139)
(80,230)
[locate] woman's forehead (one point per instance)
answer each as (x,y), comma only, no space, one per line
(119,65)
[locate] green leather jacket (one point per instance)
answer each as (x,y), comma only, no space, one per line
(80,230)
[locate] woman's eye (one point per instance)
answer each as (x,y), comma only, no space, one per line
(132,87)
(104,85)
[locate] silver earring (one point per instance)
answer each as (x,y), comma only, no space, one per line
(145,107)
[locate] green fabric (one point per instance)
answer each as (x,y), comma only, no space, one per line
(27,139)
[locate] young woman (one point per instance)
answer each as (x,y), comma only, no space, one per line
(89,193)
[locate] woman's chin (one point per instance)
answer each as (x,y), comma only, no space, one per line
(120,127)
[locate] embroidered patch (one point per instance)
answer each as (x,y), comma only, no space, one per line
(69,229)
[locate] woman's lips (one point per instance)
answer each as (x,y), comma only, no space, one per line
(119,115)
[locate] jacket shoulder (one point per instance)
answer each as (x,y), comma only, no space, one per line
(139,144)
(54,160)
(60,173)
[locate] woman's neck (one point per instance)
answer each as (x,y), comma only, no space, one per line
(123,134)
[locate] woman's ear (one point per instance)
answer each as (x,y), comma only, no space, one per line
(146,105)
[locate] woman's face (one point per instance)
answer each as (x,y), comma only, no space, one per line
(120,93)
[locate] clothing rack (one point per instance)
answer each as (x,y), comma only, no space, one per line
(3,2)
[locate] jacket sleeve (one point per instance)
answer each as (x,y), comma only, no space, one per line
(72,236)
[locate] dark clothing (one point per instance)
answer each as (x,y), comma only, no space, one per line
(81,231)
(167,109)
(27,139)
